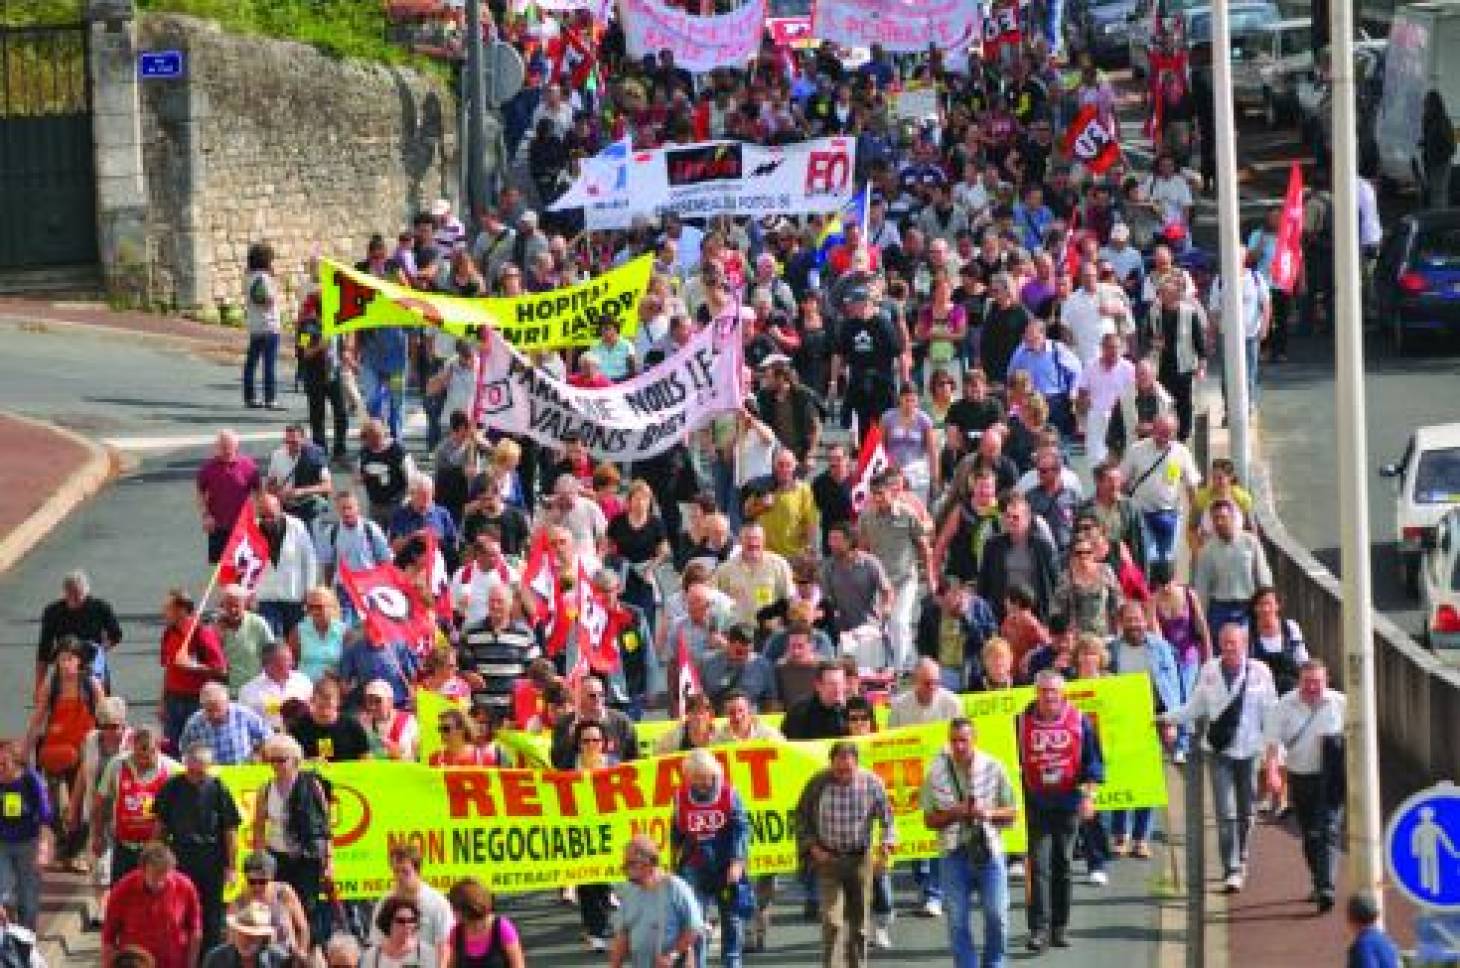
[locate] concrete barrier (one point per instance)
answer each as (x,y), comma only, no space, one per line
(1417,696)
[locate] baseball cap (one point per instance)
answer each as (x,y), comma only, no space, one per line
(379,687)
(1121,232)
(775,359)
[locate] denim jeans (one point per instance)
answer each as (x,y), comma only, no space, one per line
(1054,32)
(1252,350)
(961,880)
(928,876)
(1233,782)
(1136,823)
(1160,529)
(725,496)
(731,930)
(1052,837)
(1187,668)
(1096,842)
(265,347)
(19,879)
(385,394)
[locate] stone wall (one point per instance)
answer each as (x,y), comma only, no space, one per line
(270,140)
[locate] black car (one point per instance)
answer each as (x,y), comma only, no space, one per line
(1416,284)
(1102,29)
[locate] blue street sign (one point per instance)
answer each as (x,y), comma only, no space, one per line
(1422,848)
(153,65)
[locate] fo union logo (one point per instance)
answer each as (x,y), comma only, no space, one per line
(828,172)
(1050,740)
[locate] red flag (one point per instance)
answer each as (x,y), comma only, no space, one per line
(1089,142)
(1001,29)
(687,677)
(246,555)
(578,673)
(539,579)
(1168,85)
(440,580)
(391,609)
(1287,254)
(871,461)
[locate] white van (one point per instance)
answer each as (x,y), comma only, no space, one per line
(1423,56)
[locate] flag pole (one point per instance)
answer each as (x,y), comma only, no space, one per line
(198,614)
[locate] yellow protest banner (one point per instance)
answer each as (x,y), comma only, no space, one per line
(535,829)
(352,300)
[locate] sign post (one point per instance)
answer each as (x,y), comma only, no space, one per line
(1422,854)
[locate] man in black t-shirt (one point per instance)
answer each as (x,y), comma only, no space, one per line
(977,410)
(77,612)
(489,511)
(871,349)
(326,735)
(1003,329)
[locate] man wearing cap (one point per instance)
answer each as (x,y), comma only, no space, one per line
(392,733)
(200,822)
(787,407)
(871,352)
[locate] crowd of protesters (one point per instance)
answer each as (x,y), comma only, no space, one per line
(1003,316)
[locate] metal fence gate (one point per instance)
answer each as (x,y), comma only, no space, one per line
(47,167)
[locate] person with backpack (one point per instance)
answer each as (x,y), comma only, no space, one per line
(482,938)
(261,314)
(65,714)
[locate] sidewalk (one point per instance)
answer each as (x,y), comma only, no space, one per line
(49,473)
(176,330)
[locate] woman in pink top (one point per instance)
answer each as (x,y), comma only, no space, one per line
(481,936)
(941,325)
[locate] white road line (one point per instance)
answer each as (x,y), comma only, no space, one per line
(415,427)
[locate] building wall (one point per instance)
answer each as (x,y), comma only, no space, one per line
(271,140)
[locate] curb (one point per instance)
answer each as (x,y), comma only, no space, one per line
(83,483)
(169,340)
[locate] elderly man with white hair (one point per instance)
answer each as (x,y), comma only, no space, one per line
(709,838)
(422,513)
(580,516)
(77,612)
(234,732)
(243,635)
(293,566)
(225,483)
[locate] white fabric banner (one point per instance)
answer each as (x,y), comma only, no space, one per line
(721,178)
(903,26)
(629,421)
(699,43)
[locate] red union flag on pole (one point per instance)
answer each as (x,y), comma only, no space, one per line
(687,676)
(246,555)
(1287,253)
(1088,141)
(391,609)
(871,461)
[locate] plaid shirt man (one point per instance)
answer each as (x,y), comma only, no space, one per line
(846,812)
(232,741)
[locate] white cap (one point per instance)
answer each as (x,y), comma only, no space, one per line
(440,208)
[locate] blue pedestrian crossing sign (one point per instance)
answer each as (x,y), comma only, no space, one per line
(1422,848)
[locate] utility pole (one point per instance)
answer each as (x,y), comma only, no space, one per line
(476,99)
(1365,845)
(1229,241)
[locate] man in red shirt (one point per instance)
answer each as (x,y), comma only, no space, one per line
(156,909)
(225,483)
(186,670)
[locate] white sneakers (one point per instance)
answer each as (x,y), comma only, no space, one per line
(881,938)
(932,908)
(1233,883)
(595,943)
(1099,878)
(1016,868)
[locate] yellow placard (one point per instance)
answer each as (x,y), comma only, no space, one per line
(352,300)
(534,829)
(12,805)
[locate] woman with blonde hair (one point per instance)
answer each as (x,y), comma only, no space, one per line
(318,640)
(997,660)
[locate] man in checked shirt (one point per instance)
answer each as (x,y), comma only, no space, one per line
(834,820)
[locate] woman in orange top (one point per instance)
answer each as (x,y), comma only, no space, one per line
(65,714)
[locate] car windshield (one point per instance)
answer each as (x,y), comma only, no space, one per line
(1297,41)
(1438,248)
(1437,481)
(1242,20)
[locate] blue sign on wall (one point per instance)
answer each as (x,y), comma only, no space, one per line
(1422,847)
(160,64)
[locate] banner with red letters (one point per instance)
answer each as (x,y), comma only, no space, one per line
(730,178)
(900,26)
(699,43)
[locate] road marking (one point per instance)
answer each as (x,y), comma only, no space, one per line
(415,427)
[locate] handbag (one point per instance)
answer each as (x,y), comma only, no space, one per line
(1222,730)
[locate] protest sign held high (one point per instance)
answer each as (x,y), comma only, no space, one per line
(556,319)
(897,25)
(629,421)
(699,43)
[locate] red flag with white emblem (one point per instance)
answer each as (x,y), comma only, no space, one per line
(440,579)
(246,555)
(687,676)
(1088,141)
(871,461)
(391,609)
(1287,255)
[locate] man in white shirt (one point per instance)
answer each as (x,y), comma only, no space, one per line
(1098,389)
(1169,190)
(1160,470)
(1231,681)
(436,917)
(1081,316)
(278,683)
(1256,318)
(1304,724)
